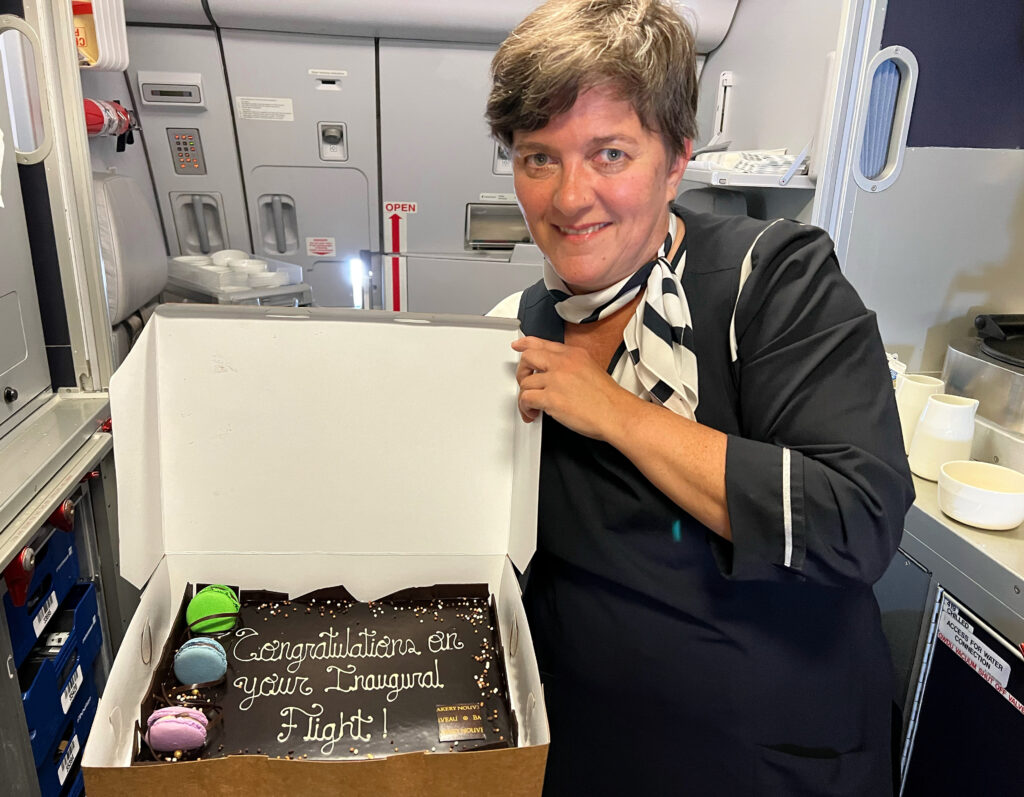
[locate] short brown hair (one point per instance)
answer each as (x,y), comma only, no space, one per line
(641,48)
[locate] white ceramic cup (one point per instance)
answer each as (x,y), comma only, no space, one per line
(912,392)
(944,433)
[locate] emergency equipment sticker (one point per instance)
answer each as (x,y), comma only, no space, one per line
(265,109)
(68,760)
(45,614)
(321,247)
(328,73)
(67,697)
(958,636)
(497,197)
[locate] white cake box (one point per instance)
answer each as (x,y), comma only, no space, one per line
(294,449)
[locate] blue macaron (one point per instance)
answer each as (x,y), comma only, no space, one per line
(199,661)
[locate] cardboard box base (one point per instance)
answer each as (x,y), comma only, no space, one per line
(515,771)
(510,773)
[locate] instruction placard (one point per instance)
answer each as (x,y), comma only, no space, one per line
(265,109)
(321,247)
(959,635)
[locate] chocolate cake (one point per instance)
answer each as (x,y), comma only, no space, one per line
(324,676)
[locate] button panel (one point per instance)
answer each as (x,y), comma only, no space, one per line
(186,150)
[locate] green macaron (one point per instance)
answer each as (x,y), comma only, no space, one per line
(215,599)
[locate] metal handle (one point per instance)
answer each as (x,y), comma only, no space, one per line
(278,212)
(201,231)
(999,326)
(12,22)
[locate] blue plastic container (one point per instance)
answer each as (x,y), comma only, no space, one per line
(52,686)
(55,574)
(63,762)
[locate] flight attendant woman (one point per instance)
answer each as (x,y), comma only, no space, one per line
(722,474)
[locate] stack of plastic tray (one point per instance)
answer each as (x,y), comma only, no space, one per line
(55,573)
(56,636)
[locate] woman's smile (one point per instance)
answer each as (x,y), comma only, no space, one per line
(581,233)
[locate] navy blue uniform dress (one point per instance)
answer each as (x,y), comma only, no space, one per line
(678,663)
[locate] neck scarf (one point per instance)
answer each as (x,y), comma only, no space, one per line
(658,364)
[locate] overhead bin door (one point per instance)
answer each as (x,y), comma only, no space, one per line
(306,115)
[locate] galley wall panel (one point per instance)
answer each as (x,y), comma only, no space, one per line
(177,79)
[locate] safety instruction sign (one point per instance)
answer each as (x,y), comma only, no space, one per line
(956,632)
(395,213)
(321,247)
(265,109)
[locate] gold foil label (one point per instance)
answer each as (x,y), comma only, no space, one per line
(459,721)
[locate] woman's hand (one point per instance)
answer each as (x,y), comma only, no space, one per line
(682,458)
(567,384)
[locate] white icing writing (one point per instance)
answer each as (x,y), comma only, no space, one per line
(330,733)
(367,646)
(444,640)
(394,682)
(270,685)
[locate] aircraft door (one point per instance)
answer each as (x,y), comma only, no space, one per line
(24,373)
(450,215)
(305,111)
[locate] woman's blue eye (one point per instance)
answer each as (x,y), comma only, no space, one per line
(613,155)
(538,159)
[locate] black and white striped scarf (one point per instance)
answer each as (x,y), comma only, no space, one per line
(658,364)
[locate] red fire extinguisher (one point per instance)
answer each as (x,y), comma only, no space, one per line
(106,118)
(110,118)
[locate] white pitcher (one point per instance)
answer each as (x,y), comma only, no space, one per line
(912,392)
(944,433)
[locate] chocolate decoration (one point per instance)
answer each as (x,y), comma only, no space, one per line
(325,677)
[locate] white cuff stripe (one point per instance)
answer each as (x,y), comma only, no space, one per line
(787,507)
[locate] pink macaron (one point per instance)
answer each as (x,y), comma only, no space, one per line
(176,728)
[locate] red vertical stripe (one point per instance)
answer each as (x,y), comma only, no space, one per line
(396,285)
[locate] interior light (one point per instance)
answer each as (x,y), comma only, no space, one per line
(357,276)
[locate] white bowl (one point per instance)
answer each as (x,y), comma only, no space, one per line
(263,279)
(981,494)
(193,260)
(249,266)
(222,257)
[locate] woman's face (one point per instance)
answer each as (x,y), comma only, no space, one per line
(594,186)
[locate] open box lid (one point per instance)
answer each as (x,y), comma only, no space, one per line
(247,429)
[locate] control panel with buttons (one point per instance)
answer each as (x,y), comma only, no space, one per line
(186,150)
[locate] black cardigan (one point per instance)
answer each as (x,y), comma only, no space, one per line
(751,666)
